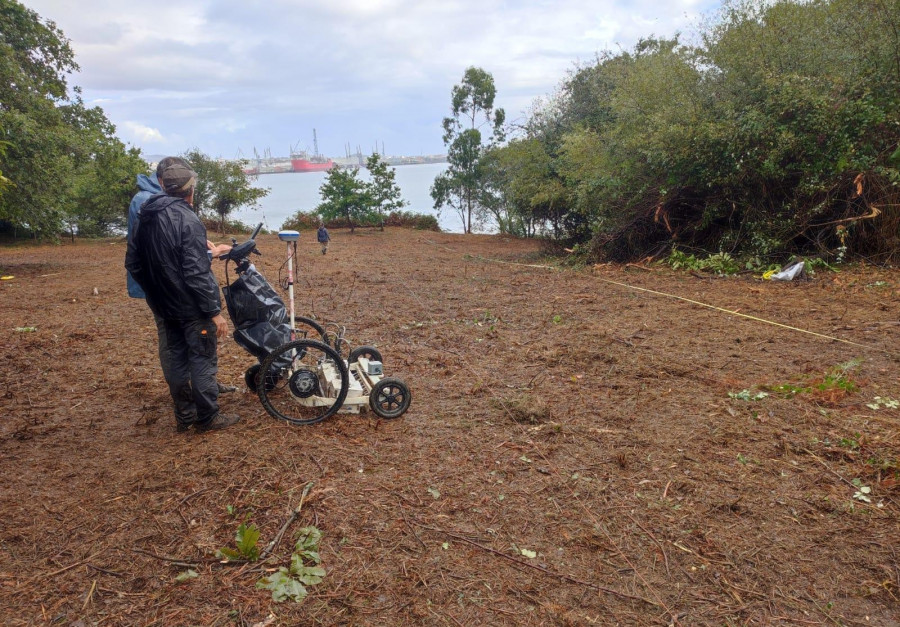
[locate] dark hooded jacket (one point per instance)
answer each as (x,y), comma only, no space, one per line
(148,187)
(168,258)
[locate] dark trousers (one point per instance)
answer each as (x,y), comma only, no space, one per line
(190,368)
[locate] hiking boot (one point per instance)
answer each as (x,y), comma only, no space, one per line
(225,389)
(182,427)
(219,421)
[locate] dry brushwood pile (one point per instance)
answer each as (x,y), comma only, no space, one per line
(582,448)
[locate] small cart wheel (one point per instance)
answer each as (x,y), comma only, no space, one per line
(369,352)
(390,398)
(251,378)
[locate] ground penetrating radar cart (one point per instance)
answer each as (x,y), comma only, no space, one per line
(301,374)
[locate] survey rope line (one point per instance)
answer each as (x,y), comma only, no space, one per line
(708,306)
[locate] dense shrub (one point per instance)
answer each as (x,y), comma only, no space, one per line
(778,133)
(305,221)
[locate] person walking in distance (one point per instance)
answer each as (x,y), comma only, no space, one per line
(322,236)
(168,257)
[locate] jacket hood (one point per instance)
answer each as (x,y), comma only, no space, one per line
(147,184)
(160,202)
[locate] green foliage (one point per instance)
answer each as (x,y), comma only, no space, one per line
(305,569)
(302,221)
(777,133)
(463,186)
(384,193)
(4,182)
(836,378)
(245,540)
(720,263)
(221,187)
(62,165)
(410,220)
(345,195)
(283,586)
(230,227)
(186,575)
(840,377)
(347,199)
(747,395)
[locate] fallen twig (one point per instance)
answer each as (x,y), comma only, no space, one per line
(271,546)
(62,570)
(652,537)
(174,560)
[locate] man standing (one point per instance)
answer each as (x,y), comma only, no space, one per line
(167,257)
(148,187)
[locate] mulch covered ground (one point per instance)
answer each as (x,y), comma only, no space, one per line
(578,451)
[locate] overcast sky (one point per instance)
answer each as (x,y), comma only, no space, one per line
(228,76)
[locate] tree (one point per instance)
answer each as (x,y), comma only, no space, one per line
(103,176)
(462,185)
(34,58)
(346,196)
(383,190)
(4,182)
(221,187)
(58,152)
(532,196)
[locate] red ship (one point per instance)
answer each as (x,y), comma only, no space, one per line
(301,161)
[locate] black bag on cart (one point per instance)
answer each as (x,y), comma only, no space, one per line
(258,313)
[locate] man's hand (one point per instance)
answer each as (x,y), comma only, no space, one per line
(221,326)
(217,249)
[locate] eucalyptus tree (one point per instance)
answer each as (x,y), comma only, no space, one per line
(463,186)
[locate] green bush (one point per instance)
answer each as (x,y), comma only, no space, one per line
(306,221)
(302,221)
(232,227)
(410,220)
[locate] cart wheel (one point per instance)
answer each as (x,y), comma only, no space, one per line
(310,382)
(251,378)
(369,352)
(390,398)
(307,328)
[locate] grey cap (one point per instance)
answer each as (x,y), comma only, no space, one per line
(178,178)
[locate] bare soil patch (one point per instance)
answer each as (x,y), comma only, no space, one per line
(603,429)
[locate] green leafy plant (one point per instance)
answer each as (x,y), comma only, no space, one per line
(720,263)
(245,540)
(881,402)
(788,390)
(305,569)
(850,442)
(746,395)
(836,381)
(839,377)
(186,575)
(678,260)
(862,491)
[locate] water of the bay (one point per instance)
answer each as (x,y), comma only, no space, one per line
(294,192)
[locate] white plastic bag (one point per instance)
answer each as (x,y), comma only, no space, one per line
(790,272)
